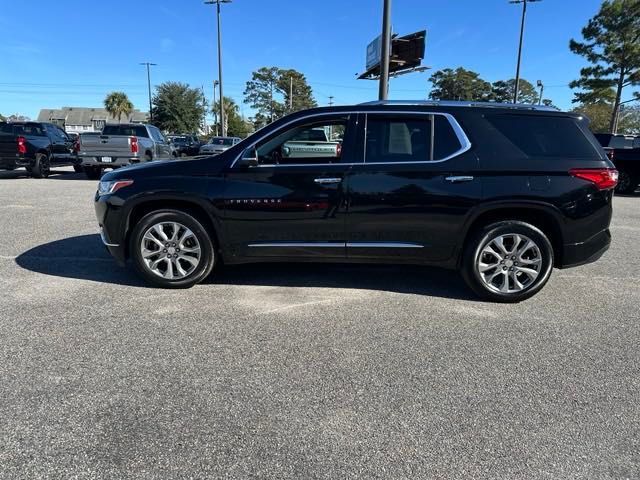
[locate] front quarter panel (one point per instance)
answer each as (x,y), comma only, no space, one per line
(116,212)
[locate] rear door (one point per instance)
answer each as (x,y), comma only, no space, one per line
(410,197)
(291,207)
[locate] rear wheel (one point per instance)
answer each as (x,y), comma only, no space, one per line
(172,249)
(508,261)
(41,166)
(92,173)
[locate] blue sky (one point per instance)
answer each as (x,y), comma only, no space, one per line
(73,52)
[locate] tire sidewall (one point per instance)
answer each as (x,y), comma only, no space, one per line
(41,167)
(484,236)
(206,244)
(625,182)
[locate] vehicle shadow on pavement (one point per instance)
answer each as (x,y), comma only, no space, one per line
(54,175)
(84,257)
(390,278)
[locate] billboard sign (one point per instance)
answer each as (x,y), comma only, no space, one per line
(374,53)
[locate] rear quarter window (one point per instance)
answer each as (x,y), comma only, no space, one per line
(544,136)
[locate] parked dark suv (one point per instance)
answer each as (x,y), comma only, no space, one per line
(502,192)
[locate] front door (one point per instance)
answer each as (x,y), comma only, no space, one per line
(61,145)
(410,197)
(292,204)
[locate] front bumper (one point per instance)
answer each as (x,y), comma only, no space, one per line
(589,251)
(109,223)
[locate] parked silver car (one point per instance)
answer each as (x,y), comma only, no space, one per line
(218,145)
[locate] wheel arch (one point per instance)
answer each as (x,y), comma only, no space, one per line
(190,206)
(543,216)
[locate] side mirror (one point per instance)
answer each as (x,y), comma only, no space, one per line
(249,158)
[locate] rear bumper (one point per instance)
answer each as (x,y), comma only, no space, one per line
(9,163)
(576,254)
(96,161)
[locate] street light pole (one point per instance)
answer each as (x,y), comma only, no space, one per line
(215,112)
(541,85)
(223,123)
(148,65)
(383,92)
(524,14)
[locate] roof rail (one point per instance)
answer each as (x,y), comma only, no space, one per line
(454,103)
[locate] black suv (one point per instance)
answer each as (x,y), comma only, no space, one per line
(502,192)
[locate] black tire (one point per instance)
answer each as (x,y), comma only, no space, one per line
(627,183)
(78,168)
(486,235)
(41,166)
(148,157)
(92,173)
(207,258)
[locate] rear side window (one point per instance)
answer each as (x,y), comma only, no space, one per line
(544,136)
(33,129)
(419,138)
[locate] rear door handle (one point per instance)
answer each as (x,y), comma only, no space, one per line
(327,181)
(459,179)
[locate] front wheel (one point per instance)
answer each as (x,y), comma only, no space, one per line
(508,261)
(172,249)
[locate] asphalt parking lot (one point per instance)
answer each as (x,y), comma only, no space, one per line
(304,371)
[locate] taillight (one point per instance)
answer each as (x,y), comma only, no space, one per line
(338,150)
(22,145)
(133,141)
(76,146)
(610,154)
(603,178)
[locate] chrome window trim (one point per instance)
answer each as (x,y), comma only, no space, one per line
(462,138)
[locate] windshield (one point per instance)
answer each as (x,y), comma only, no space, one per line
(179,139)
(226,141)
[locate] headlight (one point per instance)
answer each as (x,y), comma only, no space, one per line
(106,188)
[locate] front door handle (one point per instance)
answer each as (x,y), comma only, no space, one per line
(459,179)
(327,181)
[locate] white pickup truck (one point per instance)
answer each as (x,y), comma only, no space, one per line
(311,143)
(119,145)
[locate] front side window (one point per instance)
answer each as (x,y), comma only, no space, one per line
(318,142)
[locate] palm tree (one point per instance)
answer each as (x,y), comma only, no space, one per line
(118,104)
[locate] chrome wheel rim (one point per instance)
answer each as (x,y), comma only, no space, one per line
(170,250)
(509,263)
